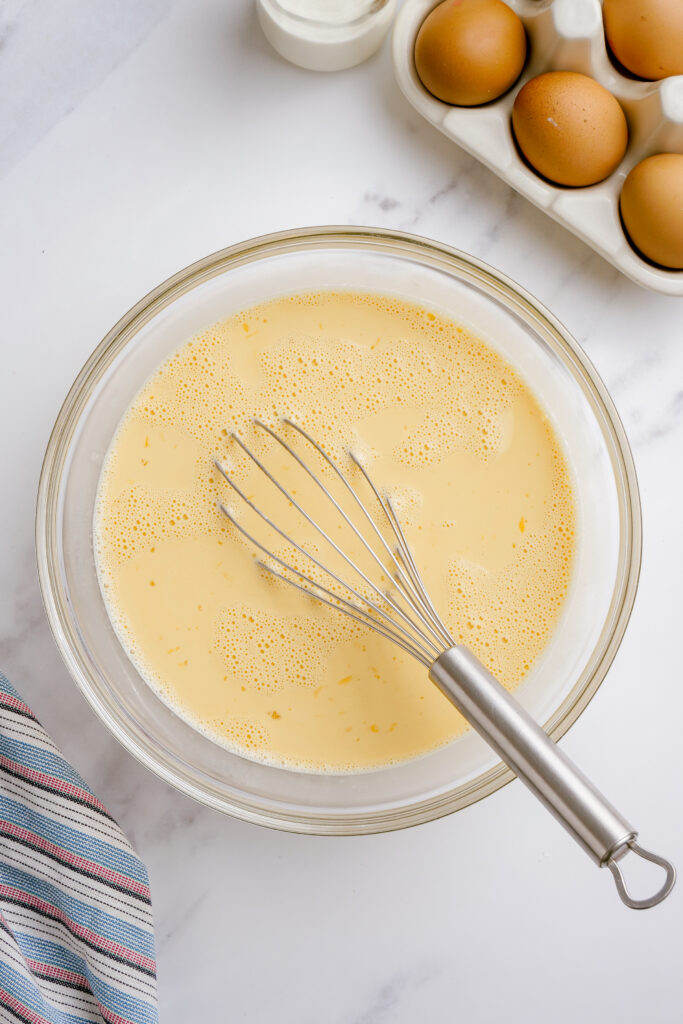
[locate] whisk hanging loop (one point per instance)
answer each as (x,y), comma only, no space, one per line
(406,616)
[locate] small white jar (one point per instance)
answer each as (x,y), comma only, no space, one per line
(325,35)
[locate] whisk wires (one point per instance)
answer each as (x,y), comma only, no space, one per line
(404,614)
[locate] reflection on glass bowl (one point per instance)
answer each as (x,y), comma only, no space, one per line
(564,678)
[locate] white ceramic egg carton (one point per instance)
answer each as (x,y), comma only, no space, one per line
(564,35)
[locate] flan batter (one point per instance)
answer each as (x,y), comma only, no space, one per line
(441,420)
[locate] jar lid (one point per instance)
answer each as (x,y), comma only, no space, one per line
(325,35)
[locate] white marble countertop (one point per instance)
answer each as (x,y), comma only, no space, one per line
(136,137)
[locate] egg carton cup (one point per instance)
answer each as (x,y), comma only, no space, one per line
(564,35)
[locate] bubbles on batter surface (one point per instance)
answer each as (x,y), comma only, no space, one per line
(456,397)
(140,519)
(408,504)
(268,651)
(506,617)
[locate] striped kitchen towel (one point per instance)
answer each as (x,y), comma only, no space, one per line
(76,931)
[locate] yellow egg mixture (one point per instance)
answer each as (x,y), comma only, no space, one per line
(442,422)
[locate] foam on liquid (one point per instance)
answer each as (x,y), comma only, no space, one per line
(443,422)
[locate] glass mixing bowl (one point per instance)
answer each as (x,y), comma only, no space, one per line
(563,679)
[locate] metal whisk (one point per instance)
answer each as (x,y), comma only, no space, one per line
(391,599)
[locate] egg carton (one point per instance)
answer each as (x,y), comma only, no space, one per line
(564,35)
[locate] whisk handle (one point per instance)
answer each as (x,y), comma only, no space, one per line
(547,771)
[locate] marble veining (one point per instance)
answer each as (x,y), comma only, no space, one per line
(136,137)
(387,1001)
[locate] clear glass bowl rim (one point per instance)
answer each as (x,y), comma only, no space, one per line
(428,252)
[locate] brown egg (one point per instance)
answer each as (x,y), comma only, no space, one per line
(469,52)
(646,36)
(570,129)
(652,208)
